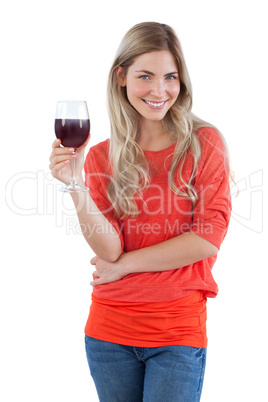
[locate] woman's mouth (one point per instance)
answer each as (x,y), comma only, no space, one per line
(155,105)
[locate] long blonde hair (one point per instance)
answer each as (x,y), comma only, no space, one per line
(129,165)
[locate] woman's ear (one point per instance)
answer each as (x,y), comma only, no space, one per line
(121,77)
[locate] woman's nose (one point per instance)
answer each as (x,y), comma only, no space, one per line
(158,89)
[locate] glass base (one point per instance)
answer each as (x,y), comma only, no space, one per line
(73,188)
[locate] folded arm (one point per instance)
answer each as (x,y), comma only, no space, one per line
(211,215)
(174,253)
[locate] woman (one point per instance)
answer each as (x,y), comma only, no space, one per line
(155,216)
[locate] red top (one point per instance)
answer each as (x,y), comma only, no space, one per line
(163,215)
(180,322)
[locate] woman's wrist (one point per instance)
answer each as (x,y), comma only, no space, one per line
(124,263)
(80,180)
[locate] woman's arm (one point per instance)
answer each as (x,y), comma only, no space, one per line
(174,253)
(211,217)
(100,234)
(177,252)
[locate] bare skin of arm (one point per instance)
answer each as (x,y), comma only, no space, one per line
(174,253)
(105,243)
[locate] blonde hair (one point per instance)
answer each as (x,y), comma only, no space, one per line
(129,165)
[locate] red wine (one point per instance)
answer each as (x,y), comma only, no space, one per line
(72,132)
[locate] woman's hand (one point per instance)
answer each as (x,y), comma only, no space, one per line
(106,272)
(60,159)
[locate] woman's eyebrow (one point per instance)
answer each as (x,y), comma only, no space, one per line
(150,73)
(174,72)
(145,71)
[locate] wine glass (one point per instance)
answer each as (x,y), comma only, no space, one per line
(72,127)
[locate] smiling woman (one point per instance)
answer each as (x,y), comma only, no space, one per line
(149,69)
(157,88)
(160,188)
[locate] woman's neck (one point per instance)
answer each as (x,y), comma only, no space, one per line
(152,136)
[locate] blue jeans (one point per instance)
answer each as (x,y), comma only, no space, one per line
(134,374)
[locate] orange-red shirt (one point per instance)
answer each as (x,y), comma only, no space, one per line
(163,215)
(180,322)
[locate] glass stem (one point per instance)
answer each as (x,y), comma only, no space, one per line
(73,179)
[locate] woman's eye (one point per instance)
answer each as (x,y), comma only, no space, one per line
(171,77)
(144,77)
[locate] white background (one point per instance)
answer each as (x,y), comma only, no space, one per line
(63,50)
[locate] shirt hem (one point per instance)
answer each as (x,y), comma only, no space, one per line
(146,344)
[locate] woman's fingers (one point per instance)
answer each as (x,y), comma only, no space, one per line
(61,151)
(57,168)
(56,143)
(93,260)
(61,158)
(58,150)
(59,164)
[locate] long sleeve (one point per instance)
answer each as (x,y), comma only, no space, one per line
(97,176)
(213,209)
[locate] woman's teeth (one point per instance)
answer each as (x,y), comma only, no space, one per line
(154,104)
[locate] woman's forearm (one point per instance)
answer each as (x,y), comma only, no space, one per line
(174,253)
(97,230)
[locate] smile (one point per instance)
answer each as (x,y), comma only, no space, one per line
(155,105)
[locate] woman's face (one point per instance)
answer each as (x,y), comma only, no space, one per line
(152,84)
